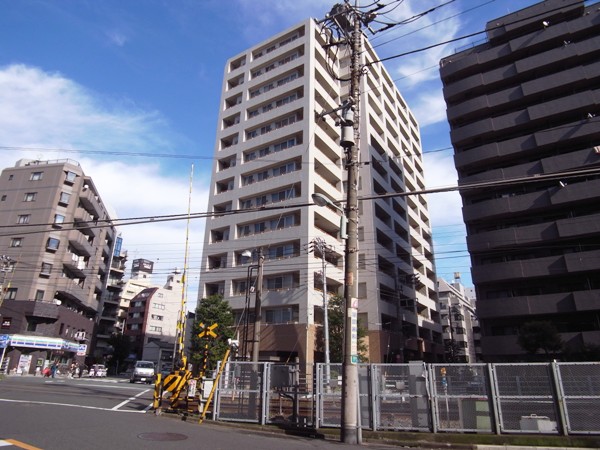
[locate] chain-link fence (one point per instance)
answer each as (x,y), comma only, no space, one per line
(461,398)
(546,398)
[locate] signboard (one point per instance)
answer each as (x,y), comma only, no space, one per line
(4,340)
(81,350)
(142,265)
(353,313)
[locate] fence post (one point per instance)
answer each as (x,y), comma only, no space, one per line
(433,397)
(494,393)
(560,398)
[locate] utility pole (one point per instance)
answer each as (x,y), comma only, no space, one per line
(350,142)
(257,307)
(348,20)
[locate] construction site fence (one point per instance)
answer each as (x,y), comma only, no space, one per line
(546,398)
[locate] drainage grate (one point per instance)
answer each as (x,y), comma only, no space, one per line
(162,436)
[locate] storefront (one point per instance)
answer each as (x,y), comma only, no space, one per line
(23,354)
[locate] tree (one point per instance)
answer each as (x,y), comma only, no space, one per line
(539,335)
(121,348)
(336,310)
(210,311)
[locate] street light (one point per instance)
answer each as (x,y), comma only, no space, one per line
(322,200)
(320,243)
(257,303)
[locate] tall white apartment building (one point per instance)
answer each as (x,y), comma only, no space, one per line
(275,147)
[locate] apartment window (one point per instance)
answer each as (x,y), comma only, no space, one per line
(39,295)
(59,218)
(16,242)
(3,198)
(157,317)
(134,326)
(11,294)
(135,315)
(24,218)
(279,315)
(158,306)
(70,177)
(36,176)
(64,198)
(155,329)
(52,243)
(30,197)
(10,177)
(46,269)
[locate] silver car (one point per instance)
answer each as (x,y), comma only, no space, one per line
(143,371)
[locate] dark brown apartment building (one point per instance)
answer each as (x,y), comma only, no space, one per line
(524,113)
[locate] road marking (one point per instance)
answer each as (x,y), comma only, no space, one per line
(123,403)
(18,444)
(67,404)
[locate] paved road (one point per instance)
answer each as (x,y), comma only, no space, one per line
(88,414)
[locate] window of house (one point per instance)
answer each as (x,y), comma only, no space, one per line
(155,329)
(29,197)
(16,242)
(64,198)
(10,177)
(59,218)
(46,269)
(158,306)
(52,243)
(11,294)
(70,177)
(3,198)
(283,315)
(39,295)
(157,317)
(24,218)
(35,176)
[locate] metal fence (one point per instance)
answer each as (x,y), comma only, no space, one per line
(546,398)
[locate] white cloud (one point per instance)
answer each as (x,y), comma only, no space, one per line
(444,208)
(49,111)
(428,106)
(117,38)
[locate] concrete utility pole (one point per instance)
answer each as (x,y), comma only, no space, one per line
(350,142)
(257,307)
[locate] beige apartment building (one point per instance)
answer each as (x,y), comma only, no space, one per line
(276,146)
(58,242)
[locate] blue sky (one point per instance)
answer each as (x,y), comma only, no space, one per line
(110,83)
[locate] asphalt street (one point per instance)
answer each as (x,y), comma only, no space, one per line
(82,414)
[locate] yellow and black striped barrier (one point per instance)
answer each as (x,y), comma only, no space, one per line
(157,392)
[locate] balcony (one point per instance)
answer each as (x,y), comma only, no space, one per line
(80,243)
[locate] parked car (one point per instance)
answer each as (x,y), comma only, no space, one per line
(97,370)
(143,371)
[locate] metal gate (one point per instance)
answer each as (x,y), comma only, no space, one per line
(241,394)
(461,398)
(579,390)
(525,398)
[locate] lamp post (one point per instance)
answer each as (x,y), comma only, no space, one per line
(320,243)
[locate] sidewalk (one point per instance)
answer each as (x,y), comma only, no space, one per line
(458,441)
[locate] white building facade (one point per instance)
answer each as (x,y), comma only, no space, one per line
(275,148)
(462,335)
